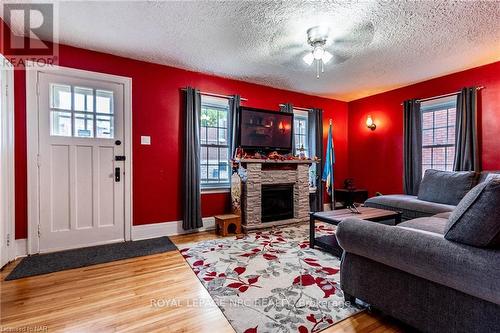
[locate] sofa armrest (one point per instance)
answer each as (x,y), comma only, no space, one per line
(474,271)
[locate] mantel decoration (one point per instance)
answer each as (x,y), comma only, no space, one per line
(242,155)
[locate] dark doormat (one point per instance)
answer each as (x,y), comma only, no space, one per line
(59,261)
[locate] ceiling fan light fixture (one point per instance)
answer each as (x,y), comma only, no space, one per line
(317,38)
(318,52)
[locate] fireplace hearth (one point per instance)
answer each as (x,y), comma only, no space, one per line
(277,202)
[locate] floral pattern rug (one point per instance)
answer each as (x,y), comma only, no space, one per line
(271,281)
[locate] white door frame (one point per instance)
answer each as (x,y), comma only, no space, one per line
(7,204)
(32,143)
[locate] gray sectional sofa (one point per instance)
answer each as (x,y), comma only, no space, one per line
(425,204)
(415,273)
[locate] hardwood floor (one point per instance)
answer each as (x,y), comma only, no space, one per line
(129,295)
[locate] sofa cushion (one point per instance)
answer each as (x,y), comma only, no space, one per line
(445,216)
(409,205)
(476,220)
(446,187)
(431,224)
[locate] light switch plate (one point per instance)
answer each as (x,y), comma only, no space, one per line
(145,140)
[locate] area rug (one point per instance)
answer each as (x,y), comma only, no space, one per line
(271,281)
(58,261)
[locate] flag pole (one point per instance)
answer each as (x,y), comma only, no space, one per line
(331,169)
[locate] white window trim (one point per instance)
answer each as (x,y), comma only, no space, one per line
(432,106)
(303,114)
(212,188)
(207,190)
(32,143)
(7,203)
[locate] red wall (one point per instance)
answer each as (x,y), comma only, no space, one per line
(376,157)
(156,109)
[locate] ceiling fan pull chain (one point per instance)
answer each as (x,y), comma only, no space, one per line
(317,69)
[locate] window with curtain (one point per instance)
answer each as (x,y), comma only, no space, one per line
(214,143)
(301,131)
(438,133)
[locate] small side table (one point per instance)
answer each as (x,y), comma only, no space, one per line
(224,222)
(348,197)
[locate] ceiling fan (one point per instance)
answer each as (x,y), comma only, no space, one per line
(343,47)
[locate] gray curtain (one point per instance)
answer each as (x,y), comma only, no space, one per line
(234,121)
(315,119)
(191,176)
(412,147)
(466,144)
(288,107)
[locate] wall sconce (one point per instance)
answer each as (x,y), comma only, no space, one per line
(370,124)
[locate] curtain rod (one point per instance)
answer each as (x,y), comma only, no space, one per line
(217,95)
(444,95)
(298,108)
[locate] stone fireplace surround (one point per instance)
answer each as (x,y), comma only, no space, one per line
(268,172)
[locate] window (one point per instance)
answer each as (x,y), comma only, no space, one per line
(301,131)
(81,112)
(214,143)
(438,133)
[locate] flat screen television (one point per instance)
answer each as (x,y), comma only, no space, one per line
(266,130)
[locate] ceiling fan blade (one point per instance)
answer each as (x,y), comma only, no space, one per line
(338,58)
(308,58)
(360,36)
(327,56)
(288,49)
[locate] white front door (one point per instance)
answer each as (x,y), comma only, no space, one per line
(6,161)
(81,167)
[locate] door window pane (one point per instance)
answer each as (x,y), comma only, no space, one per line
(104,101)
(84,125)
(105,127)
(60,96)
(84,99)
(89,112)
(60,123)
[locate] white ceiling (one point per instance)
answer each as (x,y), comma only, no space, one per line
(264,41)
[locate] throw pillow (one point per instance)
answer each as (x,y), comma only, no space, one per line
(492,176)
(446,187)
(476,220)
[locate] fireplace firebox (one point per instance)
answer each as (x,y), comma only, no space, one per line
(277,202)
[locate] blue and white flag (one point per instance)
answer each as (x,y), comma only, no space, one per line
(329,164)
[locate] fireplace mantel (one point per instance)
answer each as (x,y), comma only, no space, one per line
(265,161)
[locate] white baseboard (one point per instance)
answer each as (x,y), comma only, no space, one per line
(21,248)
(172,228)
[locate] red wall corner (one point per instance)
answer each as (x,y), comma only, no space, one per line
(376,157)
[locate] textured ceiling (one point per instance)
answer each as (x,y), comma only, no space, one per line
(264,41)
